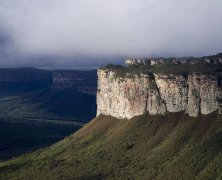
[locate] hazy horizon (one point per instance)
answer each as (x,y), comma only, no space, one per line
(85,33)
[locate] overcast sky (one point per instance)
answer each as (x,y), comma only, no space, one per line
(80,32)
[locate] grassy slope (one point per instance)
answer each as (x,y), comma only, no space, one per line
(172,147)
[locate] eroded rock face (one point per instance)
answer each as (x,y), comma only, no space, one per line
(120,97)
(220,96)
(128,97)
(193,108)
(203,94)
(157,94)
(155,104)
(173,89)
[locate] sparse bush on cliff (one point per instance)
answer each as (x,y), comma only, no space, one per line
(185,69)
(127,71)
(182,69)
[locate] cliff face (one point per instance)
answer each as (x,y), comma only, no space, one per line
(203,94)
(157,94)
(220,96)
(128,97)
(173,90)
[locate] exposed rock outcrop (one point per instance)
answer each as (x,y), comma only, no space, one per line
(126,97)
(203,94)
(173,90)
(215,59)
(220,96)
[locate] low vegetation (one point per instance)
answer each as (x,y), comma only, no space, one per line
(146,147)
(127,71)
(185,69)
(170,68)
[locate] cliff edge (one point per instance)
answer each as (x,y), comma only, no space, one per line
(125,93)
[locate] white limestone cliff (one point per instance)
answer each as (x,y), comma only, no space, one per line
(126,97)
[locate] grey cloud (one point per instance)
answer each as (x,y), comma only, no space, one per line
(87,30)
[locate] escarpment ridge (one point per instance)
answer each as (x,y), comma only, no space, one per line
(125,92)
(81,81)
(215,59)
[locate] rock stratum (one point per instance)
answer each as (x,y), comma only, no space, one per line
(215,59)
(157,94)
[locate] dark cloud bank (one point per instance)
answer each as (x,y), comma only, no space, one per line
(86,32)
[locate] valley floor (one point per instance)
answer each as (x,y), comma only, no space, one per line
(159,147)
(19,135)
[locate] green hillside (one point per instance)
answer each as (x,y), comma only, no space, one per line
(170,147)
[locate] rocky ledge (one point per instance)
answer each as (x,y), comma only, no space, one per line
(215,59)
(157,93)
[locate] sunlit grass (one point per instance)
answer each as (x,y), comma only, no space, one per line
(146,147)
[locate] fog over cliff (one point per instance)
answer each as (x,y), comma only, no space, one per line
(61,33)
